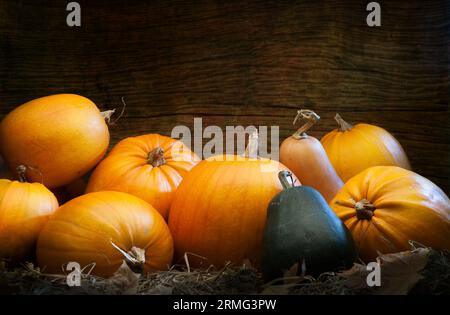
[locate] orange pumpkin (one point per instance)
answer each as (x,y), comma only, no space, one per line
(150,167)
(24,210)
(219,210)
(305,156)
(105,228)
(352,149)
(61,136)
(386,206)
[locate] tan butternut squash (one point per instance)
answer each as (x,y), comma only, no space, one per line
(305,156)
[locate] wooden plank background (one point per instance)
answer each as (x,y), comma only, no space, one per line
(240,63)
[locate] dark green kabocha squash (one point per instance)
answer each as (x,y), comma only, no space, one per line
(301,228)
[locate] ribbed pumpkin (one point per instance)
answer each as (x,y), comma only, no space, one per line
(386,206)
(105,228)
(149,166)
(352,149)
(305,156)
(61,136)
(219,210)
(24,210)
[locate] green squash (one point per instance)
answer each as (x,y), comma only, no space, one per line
(301,228)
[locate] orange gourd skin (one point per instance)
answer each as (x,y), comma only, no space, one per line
(63,136)
(309,162)
(360,147)
(127,169)
(84,229)
(219,211)
(406,206)
(24,210)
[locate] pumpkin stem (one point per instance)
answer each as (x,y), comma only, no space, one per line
(135,258)
(343,125)
(364,209)
(22,173)
(252,148)
(311,118)
(156,157)
(284,177)
(107,114)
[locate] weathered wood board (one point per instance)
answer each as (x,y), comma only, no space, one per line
(240,63)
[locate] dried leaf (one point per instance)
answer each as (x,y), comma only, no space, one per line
(125,280)
(290,275)
(399,272)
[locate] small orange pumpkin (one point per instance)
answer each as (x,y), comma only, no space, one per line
(219,211)
(63,136)
(150,167)
(105,228)
(352,149)
(305,156)
(24,210)
(387,206)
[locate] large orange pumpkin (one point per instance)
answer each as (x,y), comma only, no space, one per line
(24,210)
(60,137)
(305,156)
(219,210)
(352,149)
(105,228)
(386,206)
(149,166)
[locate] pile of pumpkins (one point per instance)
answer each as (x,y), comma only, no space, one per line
(152,202)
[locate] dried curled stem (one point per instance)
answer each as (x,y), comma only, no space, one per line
(310,117)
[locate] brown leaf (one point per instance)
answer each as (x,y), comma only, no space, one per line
(399,272)
(125,280)
(290,275)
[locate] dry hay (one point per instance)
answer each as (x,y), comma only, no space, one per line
(419,271)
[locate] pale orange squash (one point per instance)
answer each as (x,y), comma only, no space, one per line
(24,210)
(149,166)
(305,156)
(385,207)
(352,149)
(105,228)
(60,137)
(219,211)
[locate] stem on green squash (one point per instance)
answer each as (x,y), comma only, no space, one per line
(311,118)
(156,157)
(135,258)
(343,125)
(284,177)
(364,209)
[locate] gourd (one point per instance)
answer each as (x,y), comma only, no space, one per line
(149,166)
(302,229)
(352,149)
(62,136)
(24,210)
(385,207)
(305,156)
(219,211)
(103,229)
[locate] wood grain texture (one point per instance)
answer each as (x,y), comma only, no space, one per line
(240,63)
